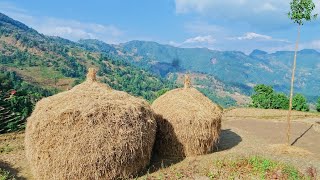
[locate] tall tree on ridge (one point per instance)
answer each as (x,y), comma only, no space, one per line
(301,10)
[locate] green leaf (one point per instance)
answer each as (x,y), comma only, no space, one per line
(301,11)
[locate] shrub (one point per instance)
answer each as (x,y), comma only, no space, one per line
(263,96)
(280,101)
(299,103)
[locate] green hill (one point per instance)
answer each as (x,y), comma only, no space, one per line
(37,65)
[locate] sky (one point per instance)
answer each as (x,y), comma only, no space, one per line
(242,25)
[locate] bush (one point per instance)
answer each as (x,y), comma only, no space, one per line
(265,97)
(299,103)
(280,101)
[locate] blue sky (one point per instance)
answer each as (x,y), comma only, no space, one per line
(215,24)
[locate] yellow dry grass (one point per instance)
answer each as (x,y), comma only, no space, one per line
(89,132)
(316,126)
(267,114)
(290,150)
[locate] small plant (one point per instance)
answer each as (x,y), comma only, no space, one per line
(5,175)
(218,164)
(292,173)
(6,149)
(179,175)
(312,173)
(253,167)
(160,176)
(262,165)
(211,175)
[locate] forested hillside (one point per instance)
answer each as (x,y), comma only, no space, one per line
(34,65)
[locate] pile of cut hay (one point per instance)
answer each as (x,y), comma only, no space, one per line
(188,123)
(289,149)
(90,132)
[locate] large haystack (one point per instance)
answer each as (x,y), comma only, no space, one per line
(188,123)
(89,132)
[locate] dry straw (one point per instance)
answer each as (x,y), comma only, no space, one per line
(188,123)
(89,132)
(316,126)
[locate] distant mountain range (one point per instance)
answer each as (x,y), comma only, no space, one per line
(233,68)
(146,68)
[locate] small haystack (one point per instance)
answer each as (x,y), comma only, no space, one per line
(188,123)
(289,149)
(89,132)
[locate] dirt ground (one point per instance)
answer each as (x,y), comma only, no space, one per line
(267,138)
(245,132)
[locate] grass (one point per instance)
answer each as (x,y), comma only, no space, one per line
(5,175)
(254,167)
(6,149)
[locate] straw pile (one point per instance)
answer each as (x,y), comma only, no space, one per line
(188,123)
(89,132)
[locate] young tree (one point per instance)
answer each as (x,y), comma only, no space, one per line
(301,10)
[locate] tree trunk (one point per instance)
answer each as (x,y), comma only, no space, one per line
(291,89)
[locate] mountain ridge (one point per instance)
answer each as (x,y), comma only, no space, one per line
(231,67)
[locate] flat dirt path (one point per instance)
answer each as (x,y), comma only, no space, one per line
(263,132)
(274,132)
(267,138)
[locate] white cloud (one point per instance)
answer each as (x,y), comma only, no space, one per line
(204,6)
(69,29)
(185,6)
(196,42)
(269,11)
(173,43)
(200,39)
(314,44)
(267,14)
(76,30)
(252,35)
(7,6)
(266,7)
(257,37)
